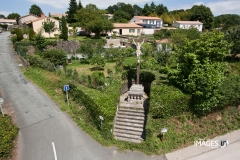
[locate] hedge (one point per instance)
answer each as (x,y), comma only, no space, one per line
(8,132)
(167,101)
(98,103)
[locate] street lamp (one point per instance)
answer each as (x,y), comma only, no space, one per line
(101,119)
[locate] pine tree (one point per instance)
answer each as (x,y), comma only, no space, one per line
(71,11)
(79,5)
(64,29)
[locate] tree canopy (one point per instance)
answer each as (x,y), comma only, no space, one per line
(49,26)
(36,10)
(72,9)
(203,14)
(200,71)
(93,20)
(2,16)
(13,16)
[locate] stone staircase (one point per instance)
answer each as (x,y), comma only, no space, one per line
(129,122)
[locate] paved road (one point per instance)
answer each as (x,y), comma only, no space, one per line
(232,151)
(42,124)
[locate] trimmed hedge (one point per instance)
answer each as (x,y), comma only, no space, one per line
(8,132)
(98,103)
(167,101)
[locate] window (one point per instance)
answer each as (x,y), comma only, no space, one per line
(151,21)
(131,30)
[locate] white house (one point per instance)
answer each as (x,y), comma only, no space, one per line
(188,24)
(127,29)
(37,26)
(164,45)
(149,24)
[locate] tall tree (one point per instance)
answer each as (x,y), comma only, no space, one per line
(64,29)
(160,9)
(137,10)
(36,10)
(233,36)
(146,10)
(49,26)
(204,15)
(79,5)
(72,10)
(95,22)
(13,16)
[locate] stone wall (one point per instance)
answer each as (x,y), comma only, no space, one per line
(68,46)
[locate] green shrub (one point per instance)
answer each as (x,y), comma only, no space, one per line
(14,39)
(8,132)
(167,101)
(40,41)
(230,91)
(55,56)
(97,79)
(19,34)
(31,34)
(13,31)
(37,61)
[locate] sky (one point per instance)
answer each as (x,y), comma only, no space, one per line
(21,7)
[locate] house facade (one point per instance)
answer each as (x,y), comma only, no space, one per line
(37,26)
(164,45)
(155,22)
(26,18)
(149,24)
(127,29)
(188,24)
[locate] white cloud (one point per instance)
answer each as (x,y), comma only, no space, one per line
(225,7)
(5,13)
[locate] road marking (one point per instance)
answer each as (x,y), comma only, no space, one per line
(54,151)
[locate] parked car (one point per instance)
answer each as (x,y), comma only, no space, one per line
(81,33)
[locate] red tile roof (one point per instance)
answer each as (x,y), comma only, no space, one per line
(7,20)
(29,15)
(126,25)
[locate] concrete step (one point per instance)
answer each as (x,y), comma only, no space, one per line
(133,110)
(116,126)
(129,124)
(130,120)
(120,112)
(128,139)
(129,117)
(131,105)
(128,136)
(138,133)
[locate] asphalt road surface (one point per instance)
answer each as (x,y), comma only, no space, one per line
(46,133)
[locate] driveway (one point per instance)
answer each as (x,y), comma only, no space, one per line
(46,133)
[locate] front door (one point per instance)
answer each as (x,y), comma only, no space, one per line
(120,31)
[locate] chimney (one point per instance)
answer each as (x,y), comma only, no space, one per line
(42,15)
